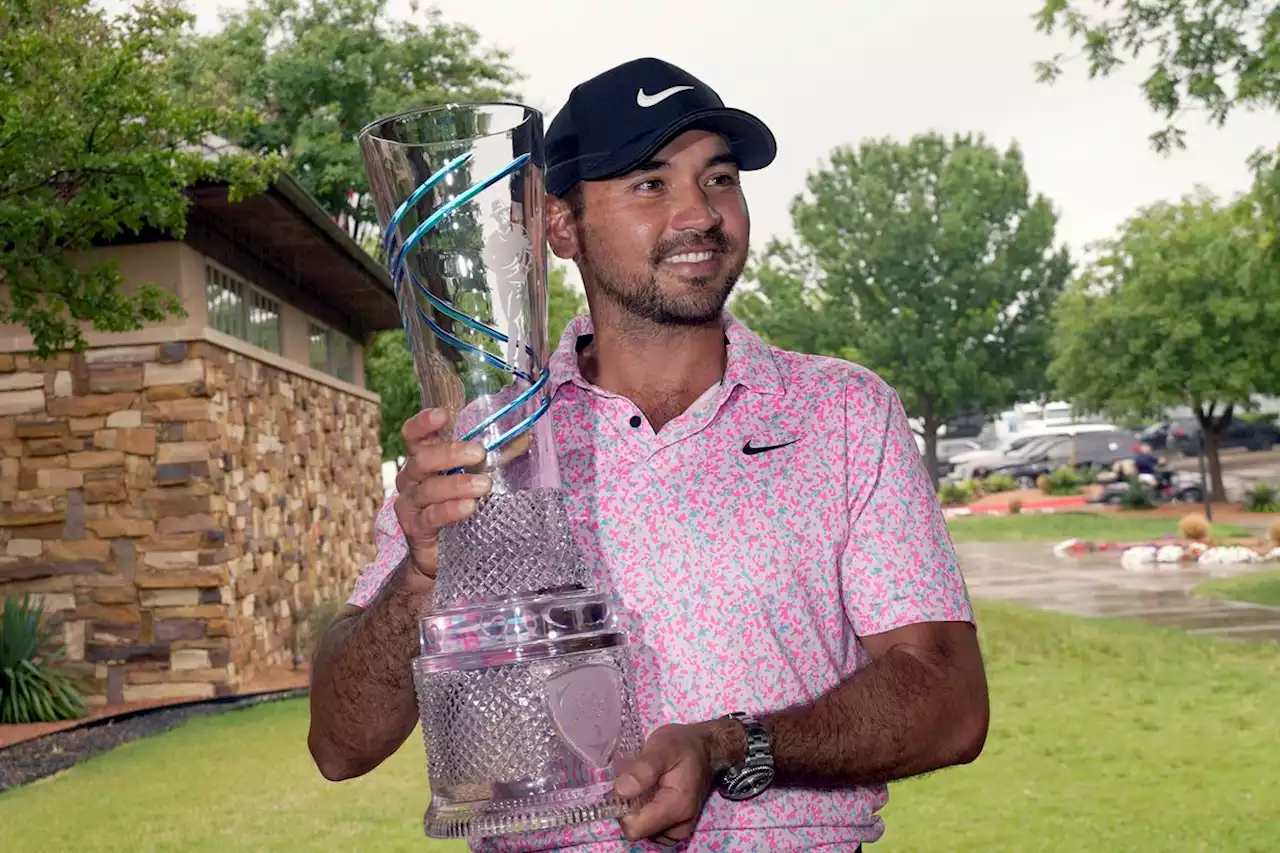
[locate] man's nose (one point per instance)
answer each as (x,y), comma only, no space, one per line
(694,210)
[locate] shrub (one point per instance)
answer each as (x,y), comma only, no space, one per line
(1089,474)
(1063,481)
(33,689)
(956,494)
(1274,533)
(1136,496)
(999,482)
(1015,507)
(310,625)
(1194,527)
(1262,498)
(1042,483)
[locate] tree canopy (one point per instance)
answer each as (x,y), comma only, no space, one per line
(319,71)
(1214,56)
(95,142)
(929,261)
(1181,307)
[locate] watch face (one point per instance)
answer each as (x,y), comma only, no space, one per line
(751,783)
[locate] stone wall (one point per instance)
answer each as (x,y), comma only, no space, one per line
(177,506)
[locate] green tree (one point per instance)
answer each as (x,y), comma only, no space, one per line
(1210,55)
(95,142)
(785,302)
(1181,307)
(564,302)
(388,368)
(320,70)
(929,262)
(389,365)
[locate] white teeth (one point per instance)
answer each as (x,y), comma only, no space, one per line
(691,257)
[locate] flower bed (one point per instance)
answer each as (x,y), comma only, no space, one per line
(1170,552)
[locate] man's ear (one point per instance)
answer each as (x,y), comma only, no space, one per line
(562,235)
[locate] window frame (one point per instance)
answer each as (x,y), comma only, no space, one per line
(334,339)
(251,298)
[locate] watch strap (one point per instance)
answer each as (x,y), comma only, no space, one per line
(755,773)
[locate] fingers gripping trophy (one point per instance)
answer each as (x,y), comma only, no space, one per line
(524,680)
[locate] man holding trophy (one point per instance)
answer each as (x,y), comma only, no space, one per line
(797,631)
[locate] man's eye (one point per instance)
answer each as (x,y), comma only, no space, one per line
(650,185)
(725,180)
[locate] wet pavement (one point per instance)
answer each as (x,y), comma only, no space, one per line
(1095,585)
(1241,469)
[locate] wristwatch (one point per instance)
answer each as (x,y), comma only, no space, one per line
(755,774)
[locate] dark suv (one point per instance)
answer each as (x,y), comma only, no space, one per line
(1184,436)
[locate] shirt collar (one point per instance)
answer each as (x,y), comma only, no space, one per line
(751,361)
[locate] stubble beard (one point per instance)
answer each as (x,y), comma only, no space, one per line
(640,297)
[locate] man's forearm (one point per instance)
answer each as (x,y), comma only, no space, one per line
(909,712)
(362,696)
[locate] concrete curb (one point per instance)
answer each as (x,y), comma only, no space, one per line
(231,703)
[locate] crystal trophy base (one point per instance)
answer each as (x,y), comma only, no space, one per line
(527,713)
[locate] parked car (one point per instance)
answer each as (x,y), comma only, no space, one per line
(1165,487)
(949,447)
(979,463)
(1083,451)
(968,424)
(1184,436)
(1156,436)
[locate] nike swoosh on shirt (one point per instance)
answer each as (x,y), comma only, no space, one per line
(645,100)
(752,450)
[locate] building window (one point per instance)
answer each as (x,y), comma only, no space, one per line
(343,360)
(241,311)
(264,322)
(224,297)
(331,352)
(318,344)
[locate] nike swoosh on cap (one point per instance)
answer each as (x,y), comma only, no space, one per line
(645,100)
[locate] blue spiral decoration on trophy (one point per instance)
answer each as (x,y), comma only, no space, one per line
(402,276)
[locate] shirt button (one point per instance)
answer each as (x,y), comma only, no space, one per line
(635,421)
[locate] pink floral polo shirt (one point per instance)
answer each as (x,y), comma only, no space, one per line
(748,577)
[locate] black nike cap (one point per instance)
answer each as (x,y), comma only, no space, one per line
(615,121)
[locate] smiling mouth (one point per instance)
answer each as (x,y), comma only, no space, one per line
(690,257)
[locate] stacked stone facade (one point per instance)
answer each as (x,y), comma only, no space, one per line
(178,507)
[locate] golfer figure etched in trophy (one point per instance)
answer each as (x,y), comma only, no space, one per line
(508,254)
(524,680)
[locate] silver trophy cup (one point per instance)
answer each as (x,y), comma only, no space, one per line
(524,680)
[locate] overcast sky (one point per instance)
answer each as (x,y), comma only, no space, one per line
(823,74)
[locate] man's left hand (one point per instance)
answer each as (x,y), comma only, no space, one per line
(678,764)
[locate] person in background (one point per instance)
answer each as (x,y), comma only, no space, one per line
(1145,463)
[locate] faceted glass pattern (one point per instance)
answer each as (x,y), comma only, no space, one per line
(514,542)
(497,761)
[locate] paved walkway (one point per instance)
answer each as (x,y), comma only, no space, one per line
(1095,585)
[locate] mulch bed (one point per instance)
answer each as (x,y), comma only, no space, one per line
(26,761)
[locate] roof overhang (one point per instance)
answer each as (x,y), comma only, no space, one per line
(293,247)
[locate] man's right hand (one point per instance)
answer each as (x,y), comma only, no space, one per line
(428,498)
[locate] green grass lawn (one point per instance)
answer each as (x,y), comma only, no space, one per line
(240,781)
(1097,527)
(1105,737)
(1256,587)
